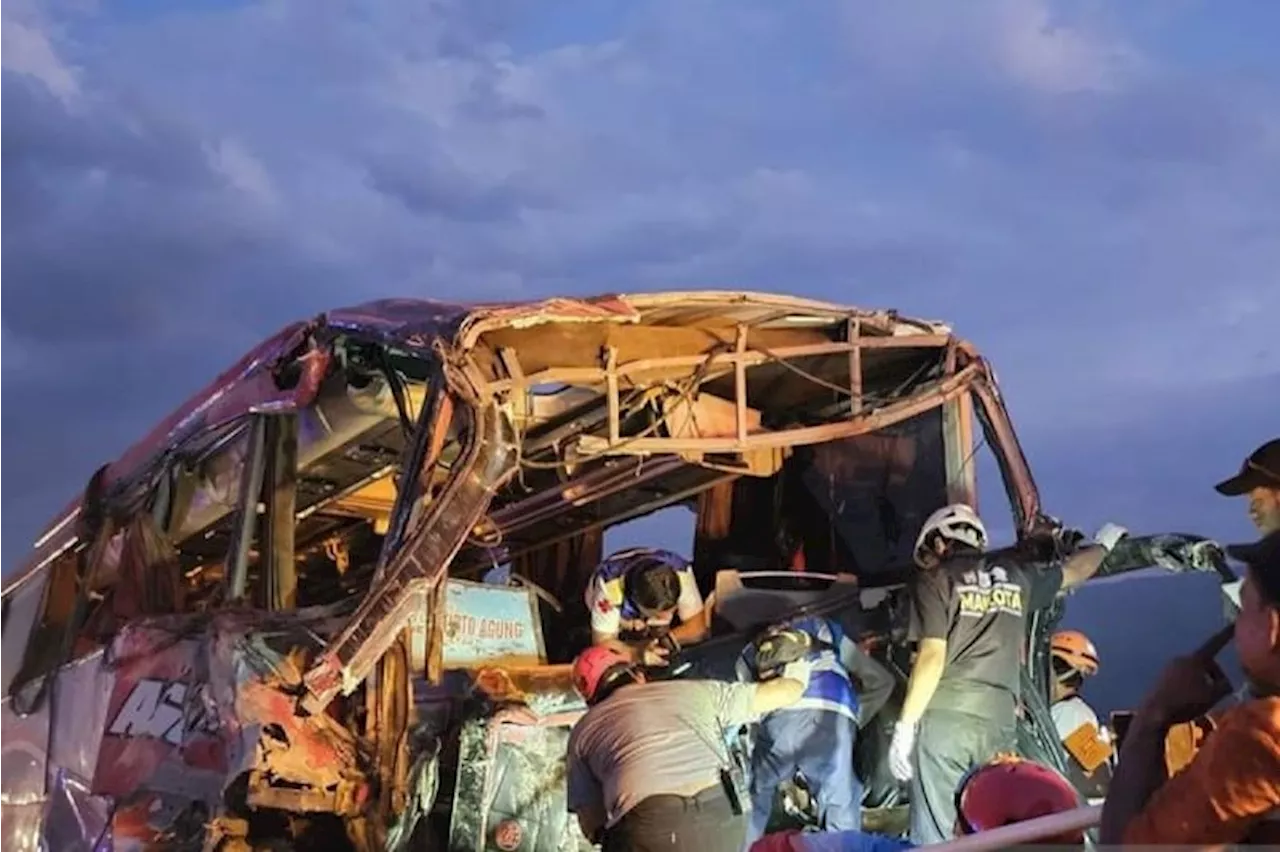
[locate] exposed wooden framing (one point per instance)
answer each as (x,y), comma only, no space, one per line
(726,360)
(740,384)
(611,393)
(859,425)
(279,576)
(855,366)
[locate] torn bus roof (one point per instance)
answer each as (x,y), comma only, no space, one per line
(727,383)
(295,530)
(255,381)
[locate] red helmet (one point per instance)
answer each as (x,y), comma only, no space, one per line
(596,666)
(1010,789)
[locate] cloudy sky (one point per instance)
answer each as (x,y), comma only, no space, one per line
(1089,191)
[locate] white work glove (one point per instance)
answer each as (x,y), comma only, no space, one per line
(798,670)
(900,750)
(1109,536)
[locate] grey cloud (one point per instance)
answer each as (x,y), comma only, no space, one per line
(426,186)
(115,271)
(46,141)
(1151,459)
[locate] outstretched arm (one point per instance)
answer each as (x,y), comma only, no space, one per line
(1085,562)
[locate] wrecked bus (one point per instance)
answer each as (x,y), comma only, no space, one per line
(331,601)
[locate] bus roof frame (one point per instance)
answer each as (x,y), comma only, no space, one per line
(285,373)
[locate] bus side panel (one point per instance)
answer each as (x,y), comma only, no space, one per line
(47,769)
(75,817)
(24,767)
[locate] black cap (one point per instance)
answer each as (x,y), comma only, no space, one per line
(1263,559)
(1262,468)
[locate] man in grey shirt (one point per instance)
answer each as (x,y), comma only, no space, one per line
(647,761)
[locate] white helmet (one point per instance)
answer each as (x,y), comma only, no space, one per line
(957,522)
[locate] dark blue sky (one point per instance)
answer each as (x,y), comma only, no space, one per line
(1089,191)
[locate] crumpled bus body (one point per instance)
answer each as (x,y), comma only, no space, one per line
(331,600)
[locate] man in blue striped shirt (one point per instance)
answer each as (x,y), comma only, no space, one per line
(816,735)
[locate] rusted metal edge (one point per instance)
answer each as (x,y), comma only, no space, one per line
(419,564)
(1012,461)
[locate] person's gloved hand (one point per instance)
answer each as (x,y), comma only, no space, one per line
(1205,555)
(901,748)
(1109,536)
(798,670)
(655,654)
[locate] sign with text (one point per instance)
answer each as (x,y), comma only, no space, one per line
(490,625)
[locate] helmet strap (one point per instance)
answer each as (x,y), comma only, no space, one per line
(618,676)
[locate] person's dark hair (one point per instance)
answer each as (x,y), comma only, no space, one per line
(1267,583)
(654,587)
(953,547)
(1263,561)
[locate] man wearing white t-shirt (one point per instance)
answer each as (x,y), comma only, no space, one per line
(1087,743)
(641,593)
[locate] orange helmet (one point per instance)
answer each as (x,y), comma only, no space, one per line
(595,667)
(1075,650)
(1011,789)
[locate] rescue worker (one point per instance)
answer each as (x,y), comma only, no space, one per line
(1074,658)
(1003,791)
(816,735)
(968,616)
(649,765)
(1259,477)
(642,595)
(1230,791)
